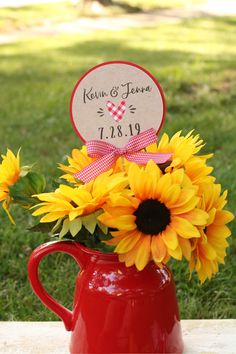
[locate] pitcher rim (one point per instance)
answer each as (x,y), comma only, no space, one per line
(94,252)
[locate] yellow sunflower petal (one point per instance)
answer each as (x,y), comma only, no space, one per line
(78,195)
(210,193)
(52,216)
(177,253)
(6,208)
(171,195)
(117,210)
(143,253)
(142,183)
(208,251)
(222,200)
(196,216)
(163,184)
(220,230)
(51,208)
(129,257)
(184,228)
(207,269)
(123,222)
(158,249)
(134,179)
(212,214)
(164,141)
(169,236)
(175,163)
(117,199)
(223,217)
(154,172)
(74,213)
(54,197)
(117,236)
(177,176)
(185,196)
(185,247)
(128,242)
(152,148)
(185,208)
(44,209)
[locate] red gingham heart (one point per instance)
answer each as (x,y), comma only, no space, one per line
(116,112)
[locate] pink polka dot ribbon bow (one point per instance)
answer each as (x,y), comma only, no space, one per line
(107,154)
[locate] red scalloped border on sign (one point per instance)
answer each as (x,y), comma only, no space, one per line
(117,62)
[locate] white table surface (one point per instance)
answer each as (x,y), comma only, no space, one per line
(200,337)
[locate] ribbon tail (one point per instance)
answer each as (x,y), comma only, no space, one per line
(96,167)
(143,157)
(141,140)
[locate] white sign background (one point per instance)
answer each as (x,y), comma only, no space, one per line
(116,82)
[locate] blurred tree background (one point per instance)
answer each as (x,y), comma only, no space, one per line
(45,48)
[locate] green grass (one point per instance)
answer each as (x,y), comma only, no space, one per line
(194,61)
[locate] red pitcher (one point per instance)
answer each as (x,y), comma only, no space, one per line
(116,309)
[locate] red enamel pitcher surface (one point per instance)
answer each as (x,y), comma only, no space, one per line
(116,309)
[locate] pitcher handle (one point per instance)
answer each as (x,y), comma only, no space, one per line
(69,247)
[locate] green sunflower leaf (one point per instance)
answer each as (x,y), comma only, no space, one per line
(56,227)
(89,222)
(75,226)
(28,185)
(65,228)
(102,227)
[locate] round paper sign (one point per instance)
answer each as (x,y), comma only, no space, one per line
(115,101)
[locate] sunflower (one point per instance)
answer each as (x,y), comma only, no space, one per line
(210,249)
(9,175)
(184,150)
(158,220)
(77,161)
(198,171)
(80,159)
(80,205)
(181,147)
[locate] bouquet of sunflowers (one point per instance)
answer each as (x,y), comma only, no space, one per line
(144,213)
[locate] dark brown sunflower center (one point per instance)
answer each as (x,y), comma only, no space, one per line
(152,217)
